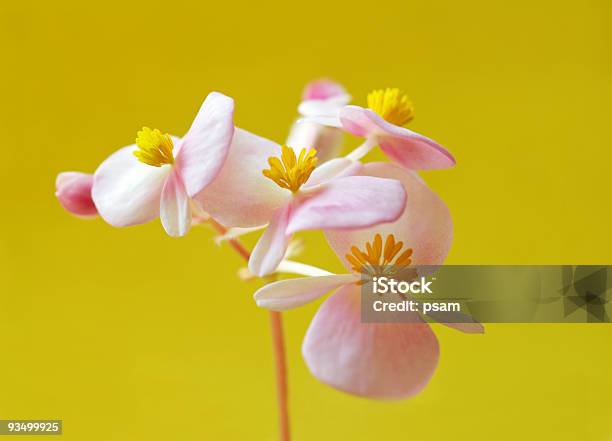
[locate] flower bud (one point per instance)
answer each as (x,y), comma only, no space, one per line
(322,89)
(73,190)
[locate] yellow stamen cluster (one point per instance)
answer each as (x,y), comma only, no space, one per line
(392,105)
(290,172)
(155,147)
(377,256)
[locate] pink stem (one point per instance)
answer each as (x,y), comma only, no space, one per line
(278,345)
(276,324)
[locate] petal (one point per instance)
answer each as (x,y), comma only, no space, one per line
(324,120)
(73,191)
(322,89)
(272,244)
(175,212)
(456,320)
(355,120)
(326,140)
(325,108)
(404,146)
(334,168)
(373,360)
(464,326)
(291,293)
(289,266)
(349,202)
(205,146)
(126,191)
(414,151)
(425,225)
(241,196)
(323,112)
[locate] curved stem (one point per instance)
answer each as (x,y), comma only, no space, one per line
(278,344)
(234,243)
(363,149)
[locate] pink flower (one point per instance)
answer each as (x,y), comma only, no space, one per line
(262,183)
(73,190)
(375,360)
(320,97)
(382,123)
(160,174)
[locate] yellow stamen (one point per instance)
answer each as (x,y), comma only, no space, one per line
(155,147)
(376,255)
(393,105)
(292,172)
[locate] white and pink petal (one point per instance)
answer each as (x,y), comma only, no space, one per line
(348,203)
(241,196)
(374,360)
(425,225)
(126,191)
(408,148)
(203,150)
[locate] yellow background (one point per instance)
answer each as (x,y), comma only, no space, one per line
(127,334)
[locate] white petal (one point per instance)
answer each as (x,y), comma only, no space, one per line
(292,267)
(291,293)
(328,107)
(324,120)
(334,168)
(127,191)
(175,212)
(272,244)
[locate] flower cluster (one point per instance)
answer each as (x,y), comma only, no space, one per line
(371,213)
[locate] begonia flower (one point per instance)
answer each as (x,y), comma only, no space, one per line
(383,123)
(375,360)
(264,183)
(321,96)
(160,174)
(73,191)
